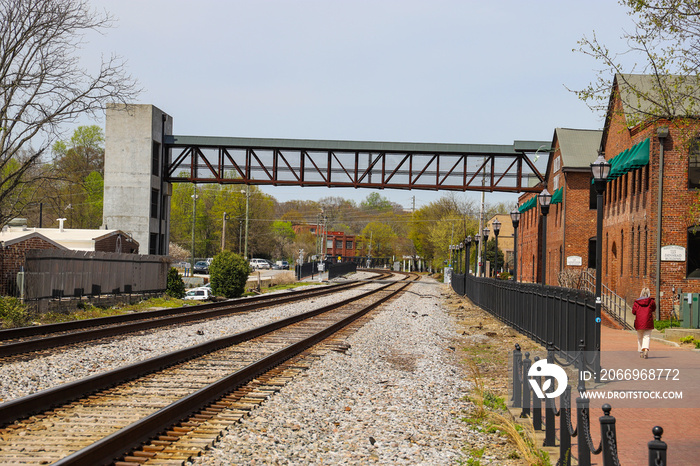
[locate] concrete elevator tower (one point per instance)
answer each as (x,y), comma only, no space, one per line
(136,197)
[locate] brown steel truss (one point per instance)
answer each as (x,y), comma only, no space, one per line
(286,162)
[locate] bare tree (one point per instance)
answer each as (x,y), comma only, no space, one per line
(657,74)
(43,87)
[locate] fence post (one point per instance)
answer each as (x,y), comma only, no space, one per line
(608,437)
(657,448)
(517,382)
(526,386)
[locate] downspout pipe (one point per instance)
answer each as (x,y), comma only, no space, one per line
(662,134)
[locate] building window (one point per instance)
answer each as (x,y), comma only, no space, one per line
(693,252)
(646,249)
(154,203)
(339,244)
(348,245)
(153,243)
(155,158)
(622,252)
(694,164)
(329,244)
(312,230)
(591,253)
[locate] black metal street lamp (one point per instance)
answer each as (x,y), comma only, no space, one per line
(600,170)
(485,234)
(459,256)
(496,224)
(468,243)
(515,218)
(544,199)
(476,254)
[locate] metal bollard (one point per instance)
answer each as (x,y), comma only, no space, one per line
(582,427)
(517,382)
(564,431)
(537,405)
(550,408)
(657,448)
(608,437)
(526,386)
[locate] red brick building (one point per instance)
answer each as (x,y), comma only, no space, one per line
(648,222)
(12,252)
(571,219)
(337,243)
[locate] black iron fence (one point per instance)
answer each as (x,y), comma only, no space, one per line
(334,269)
(531,407)
(550,315)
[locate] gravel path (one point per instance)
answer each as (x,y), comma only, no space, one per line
(394,398)
(22,378)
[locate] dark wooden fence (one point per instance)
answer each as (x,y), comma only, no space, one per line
(51,274)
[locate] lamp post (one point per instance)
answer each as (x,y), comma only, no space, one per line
(496,225)
(544,199)
(485,232)
(223,232)
(600,170)
(476,239)
(515,218)
(459,262)
(468,244)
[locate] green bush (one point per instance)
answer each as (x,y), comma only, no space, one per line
(12,313)
(229,273)
(175,287)
(662,325)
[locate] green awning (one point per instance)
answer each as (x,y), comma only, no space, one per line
(635,157)
(527,205)
(558,196)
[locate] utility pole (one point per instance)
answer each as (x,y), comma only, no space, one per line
(194,218)
(247,214)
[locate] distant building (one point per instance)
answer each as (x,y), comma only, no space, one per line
(16,239)
(338,244)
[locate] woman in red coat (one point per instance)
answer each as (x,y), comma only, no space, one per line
(643,309)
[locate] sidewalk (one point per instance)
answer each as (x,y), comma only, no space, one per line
(680,419)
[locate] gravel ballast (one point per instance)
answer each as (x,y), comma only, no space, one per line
(396,397)
(20,378)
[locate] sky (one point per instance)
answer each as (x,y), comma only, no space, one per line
(445,71)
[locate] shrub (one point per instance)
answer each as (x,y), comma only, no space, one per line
(12,313)
(229,273)
(175,286)
(662,325)
(504,275)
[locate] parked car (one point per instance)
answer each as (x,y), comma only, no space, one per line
(199,294)
(283,265)
(201,267)
(256,263)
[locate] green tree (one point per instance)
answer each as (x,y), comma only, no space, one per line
(46,86)
(175,286)
(229,273)
(284,236)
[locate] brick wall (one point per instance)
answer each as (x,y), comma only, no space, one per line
(12,260)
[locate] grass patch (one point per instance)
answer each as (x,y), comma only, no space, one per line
(88,311)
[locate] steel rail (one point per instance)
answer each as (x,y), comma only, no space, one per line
(159,318)
(126,439)
(47,399)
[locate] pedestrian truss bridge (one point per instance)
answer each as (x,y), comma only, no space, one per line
(356,164)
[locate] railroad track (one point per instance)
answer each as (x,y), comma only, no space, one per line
(104,417)
(38,338)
